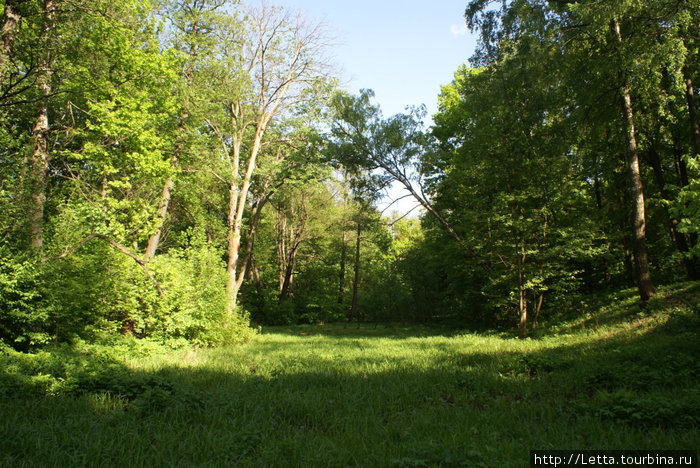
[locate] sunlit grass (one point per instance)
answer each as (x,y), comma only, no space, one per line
(334,395)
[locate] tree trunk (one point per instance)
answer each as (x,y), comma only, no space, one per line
(161,214)
(10,22)
(644,283)
(341,273)
(234,245)
(538,308)
(255,273)
(356,281)
(288,280)
(167,193)
(249,260)
(628,258)
(238,196)
(290,234)
(40,133)
(522,305)
(692,111)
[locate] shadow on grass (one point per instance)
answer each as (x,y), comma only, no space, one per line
(363,330)
(285,405)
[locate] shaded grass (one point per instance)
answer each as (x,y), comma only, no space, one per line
(334,395)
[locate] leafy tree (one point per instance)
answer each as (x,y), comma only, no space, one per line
(274,67)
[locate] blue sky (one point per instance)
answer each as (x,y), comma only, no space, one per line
(403,50)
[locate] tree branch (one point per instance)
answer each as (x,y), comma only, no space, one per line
(120,248)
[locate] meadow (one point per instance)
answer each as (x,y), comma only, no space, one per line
(616,377)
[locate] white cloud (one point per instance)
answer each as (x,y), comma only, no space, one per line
(459,30)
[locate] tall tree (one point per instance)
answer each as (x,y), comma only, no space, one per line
(603,38)
(271,63)
(193,25)
(393,146)
(39,162)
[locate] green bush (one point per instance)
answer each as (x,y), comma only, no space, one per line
(24,316)
(194,307)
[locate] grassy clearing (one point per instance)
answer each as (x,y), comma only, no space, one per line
(616,378)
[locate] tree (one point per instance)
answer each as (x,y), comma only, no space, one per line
(604,54)
(392,146)
(508,117)
(270,64)
(193,25)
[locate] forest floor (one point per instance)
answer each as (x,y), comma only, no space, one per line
(618,377)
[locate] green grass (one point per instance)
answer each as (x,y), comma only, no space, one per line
(617,377)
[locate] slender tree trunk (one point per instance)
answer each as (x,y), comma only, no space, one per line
(292,235)
(341,273)
(238,196)
(249,259)
(161,214)
(40,134)
(356,280)
(234,244)
(628,259)
(255,273)
(522,306)
(692,111)
(167,194)
(281,248)
(678,161)
(644,283)
(538,308)
(288,279)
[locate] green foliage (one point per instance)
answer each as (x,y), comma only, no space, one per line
(23,312)
(194,308)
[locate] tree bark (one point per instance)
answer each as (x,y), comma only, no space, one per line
(161,214)
(281,228)
(341,273)
(522,306)
(288,280)
(238,196)
(290,235)
(40,133)
(692,111)
(166,195)
(356,280)
(644,283)
(10,22)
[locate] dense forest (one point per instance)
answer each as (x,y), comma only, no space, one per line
(186,170)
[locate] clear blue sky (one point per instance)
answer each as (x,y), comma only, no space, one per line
(403,50)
